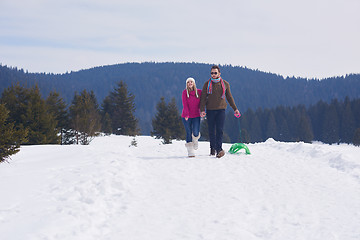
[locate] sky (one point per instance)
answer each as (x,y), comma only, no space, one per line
(308,38)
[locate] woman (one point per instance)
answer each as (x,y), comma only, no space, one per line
(191,115)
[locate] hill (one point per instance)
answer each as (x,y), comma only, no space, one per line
(108,190)
(149,81)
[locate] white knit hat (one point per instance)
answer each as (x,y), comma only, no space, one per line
(195,89)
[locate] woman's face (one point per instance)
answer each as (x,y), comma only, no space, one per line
(190,84)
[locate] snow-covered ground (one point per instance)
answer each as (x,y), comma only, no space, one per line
(112,190)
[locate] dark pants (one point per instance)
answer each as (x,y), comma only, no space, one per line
(192,126)
(216,120)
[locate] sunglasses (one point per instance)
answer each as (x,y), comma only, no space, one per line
(214,73)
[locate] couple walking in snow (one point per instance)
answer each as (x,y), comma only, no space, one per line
(212,97)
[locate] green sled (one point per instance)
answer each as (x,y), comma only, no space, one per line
(237,147)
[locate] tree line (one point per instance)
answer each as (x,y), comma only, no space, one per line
(252,89)
(27,118)
(335,122)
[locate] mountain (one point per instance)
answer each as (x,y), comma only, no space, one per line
(111,190)
(149,81)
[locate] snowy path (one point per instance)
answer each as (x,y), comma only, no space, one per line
(109,190)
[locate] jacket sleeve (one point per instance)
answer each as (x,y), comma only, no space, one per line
(185,112)
(203,97)
(229,97)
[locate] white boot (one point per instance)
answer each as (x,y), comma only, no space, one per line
(190,148)
(195,140)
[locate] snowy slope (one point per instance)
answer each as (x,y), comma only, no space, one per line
(109,190)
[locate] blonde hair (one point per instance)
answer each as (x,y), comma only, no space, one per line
(195,89)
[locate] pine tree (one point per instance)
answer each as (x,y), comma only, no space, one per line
(305,133)
(347,125)
(231,127)
(175,122)
(167,122)
(16,99)
(255,130)
(58,108)
(356,138)
(355,107)
(120,107)
(106,124)
(85,116)
(271,127)
(159,123)
(281,114)
(29,111)
(11,138)
(317,114)
(330,130)
(41,123)
(245,137)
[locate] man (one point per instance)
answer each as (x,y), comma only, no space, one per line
(214,92)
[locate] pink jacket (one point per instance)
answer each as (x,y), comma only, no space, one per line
(191,104)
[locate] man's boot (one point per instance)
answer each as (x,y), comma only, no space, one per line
(220,154)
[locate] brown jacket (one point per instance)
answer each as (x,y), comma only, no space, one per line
(214,101)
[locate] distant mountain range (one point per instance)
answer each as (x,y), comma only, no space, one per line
(149,81)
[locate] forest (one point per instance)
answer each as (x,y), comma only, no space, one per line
(36,120)
(149,81)
(75,107)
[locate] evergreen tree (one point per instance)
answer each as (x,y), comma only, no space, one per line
(58,108)
(120,107)
(317,114)
(106,124)
(235,128)
(305,133)
(355,107)
(167,122)
(330,130)
(85,116)
(245,137)
(175,123)
(28,110)
(302,130)
(160,124)
(231,127)
(271,127)
(11,138)
(347,122)
(41,123)
(356,138)
(282,114)
(255,129)
(226,138)
(16,99)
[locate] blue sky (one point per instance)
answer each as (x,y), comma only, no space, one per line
(308,38)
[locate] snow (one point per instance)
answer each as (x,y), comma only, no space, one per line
(112,190)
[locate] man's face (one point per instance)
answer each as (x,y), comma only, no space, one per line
(215,73)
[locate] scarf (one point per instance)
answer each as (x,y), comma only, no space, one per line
(211,80)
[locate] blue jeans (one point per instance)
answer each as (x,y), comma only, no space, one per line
(216,120)
(192,126)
